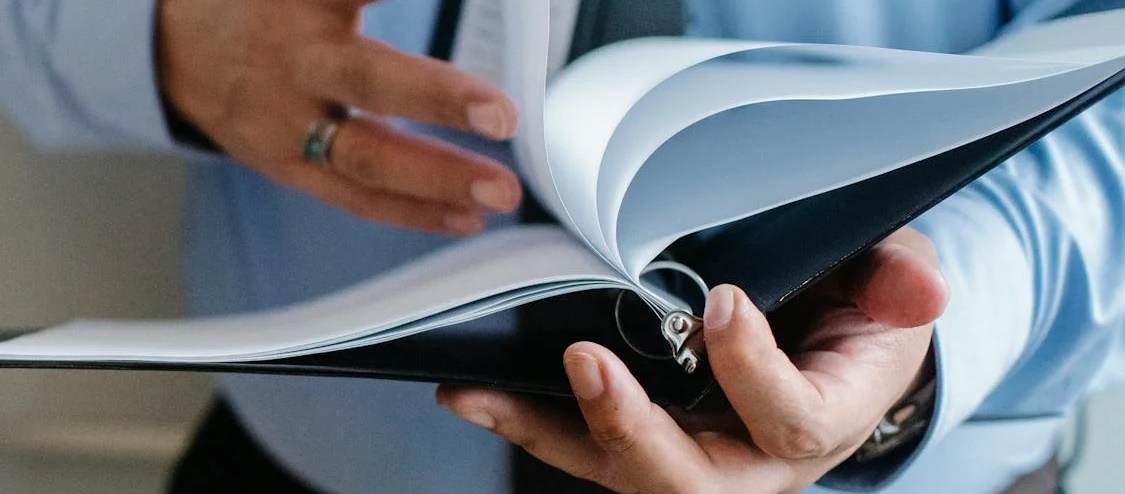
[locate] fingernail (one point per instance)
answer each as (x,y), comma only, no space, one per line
(492,194)
(464,223)
(585,376)
(488,119)
(720,308)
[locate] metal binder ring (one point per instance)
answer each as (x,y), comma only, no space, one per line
(679,268)
(655,266)
(625,338)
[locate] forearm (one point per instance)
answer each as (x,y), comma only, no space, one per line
(81,75)
(1033,253)
(987,325)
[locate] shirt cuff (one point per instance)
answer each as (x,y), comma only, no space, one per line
(103,55)
(983,332)
(987,326)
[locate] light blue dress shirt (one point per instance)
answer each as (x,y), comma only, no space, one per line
(1034,252)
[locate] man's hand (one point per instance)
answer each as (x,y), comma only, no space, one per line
(802,403)
(255,74)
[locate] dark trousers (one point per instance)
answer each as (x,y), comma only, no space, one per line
(225,458)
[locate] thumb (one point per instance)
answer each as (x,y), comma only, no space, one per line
(899,282)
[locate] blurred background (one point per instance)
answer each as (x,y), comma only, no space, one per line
(91,236)
(98,236)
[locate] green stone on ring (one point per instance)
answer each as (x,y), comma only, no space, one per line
(319,140)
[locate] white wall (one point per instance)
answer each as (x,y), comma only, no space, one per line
(92,236)
(1102,467)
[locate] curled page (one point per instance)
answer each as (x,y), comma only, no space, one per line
(587,104)
(653,139)
(479,277)
(748,158)
(527,27)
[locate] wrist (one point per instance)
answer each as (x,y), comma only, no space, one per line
(908,419)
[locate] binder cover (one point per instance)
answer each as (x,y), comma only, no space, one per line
(772,256)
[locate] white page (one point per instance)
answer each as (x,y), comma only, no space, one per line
(564,20)
(596,93)
(518,45)
(729,166)
(464,314)
(596,103)
(528,33)
(764,74)
(528,257)
(527,28)
(479,46)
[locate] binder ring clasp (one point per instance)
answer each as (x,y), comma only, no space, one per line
(680,329)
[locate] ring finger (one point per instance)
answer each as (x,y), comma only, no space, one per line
(297,168)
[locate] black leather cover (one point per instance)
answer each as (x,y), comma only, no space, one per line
(772,256)
(781,252)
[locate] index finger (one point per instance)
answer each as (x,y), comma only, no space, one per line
(378,78)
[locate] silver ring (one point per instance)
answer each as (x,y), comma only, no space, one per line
(318,141)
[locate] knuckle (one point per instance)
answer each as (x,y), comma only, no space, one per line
(355,156)
(360,83)
(739,356)
(284,175)
(306,63)
(589,471)
(448,97)
(358,79)
(808,445)
(370,76)
(798,441)
(365,169)
(343,150)
(525,442)
(615,438)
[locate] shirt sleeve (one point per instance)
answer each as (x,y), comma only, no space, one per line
(81,75)
(1033,254)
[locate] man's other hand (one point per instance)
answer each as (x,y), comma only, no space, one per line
(255,75)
